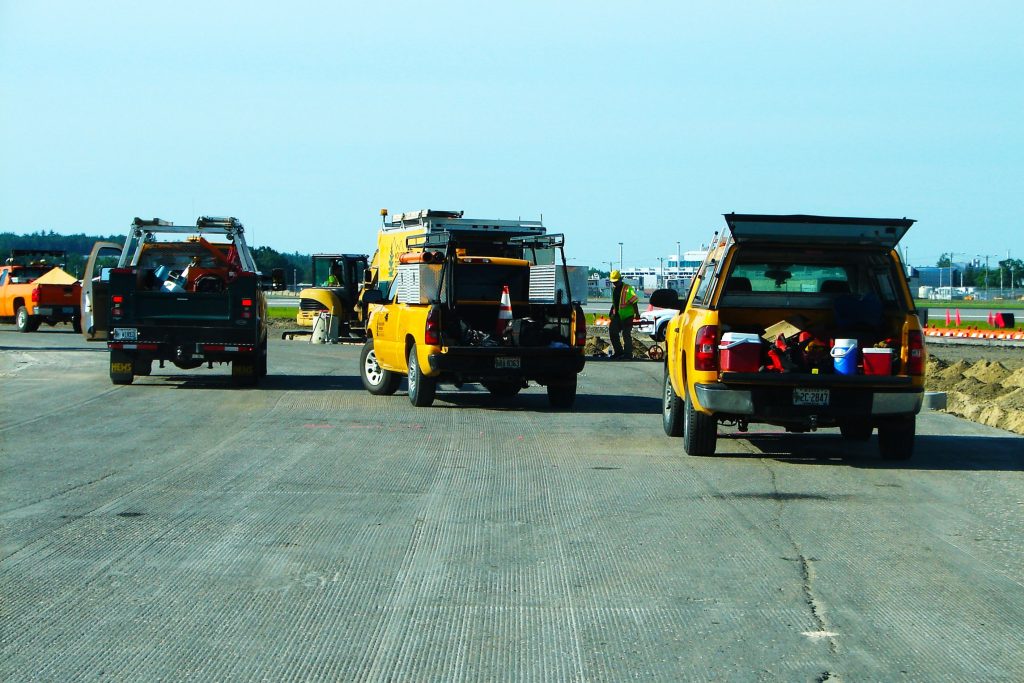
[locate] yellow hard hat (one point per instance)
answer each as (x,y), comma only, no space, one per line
(615,276)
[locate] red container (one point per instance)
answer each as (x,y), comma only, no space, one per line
(877,361)
(739,352)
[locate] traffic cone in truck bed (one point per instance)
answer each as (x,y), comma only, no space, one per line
(504,312)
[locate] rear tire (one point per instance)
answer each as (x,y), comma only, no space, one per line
(896,438)
(261,363)
(562,395)
(700,431)
(671,408)
(76,323)
(122,367)
(26,322)
(422,389)
(142,368)
(376,379)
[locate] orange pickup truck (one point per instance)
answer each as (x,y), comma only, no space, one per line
(33,291)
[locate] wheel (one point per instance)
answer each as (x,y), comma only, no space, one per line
(671,408)
(561,395)
(261,361)
(76,323)
(700,431)
(244,372)
(896,438)
(503,389)
(122,367)
(26,322)
(376,379)
(422,389)
(142,368)
(659,334)
(856,430)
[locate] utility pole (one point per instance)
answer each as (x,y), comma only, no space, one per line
(620,256)
(661,272)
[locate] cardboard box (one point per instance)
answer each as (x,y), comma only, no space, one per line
(786,327)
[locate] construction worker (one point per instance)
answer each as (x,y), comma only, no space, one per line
(623,310)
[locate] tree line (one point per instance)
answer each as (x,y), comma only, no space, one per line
(78,246)
(1008,272)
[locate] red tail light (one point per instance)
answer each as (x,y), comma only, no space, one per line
(247,302)
(432,333)
(35,295)
(915,352)
(117,299)
(580,326)
(705,348)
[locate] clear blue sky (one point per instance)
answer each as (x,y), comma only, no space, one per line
(635,122)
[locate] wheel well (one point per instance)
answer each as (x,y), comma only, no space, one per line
(409,341)
(18,303)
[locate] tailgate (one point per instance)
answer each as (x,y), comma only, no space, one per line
(817,230)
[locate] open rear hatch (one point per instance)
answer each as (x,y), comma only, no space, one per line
(817,230)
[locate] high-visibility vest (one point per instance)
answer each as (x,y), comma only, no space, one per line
(627,302)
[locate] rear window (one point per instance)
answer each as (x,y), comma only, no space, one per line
(812,278)
(484,282)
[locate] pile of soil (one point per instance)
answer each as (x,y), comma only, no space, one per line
(598,346)
(981,389)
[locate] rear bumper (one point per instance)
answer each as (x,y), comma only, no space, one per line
(470,363)
(776,403)
(207,344)
(55,312)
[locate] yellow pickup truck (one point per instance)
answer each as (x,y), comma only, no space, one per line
(798,321)
(437,313)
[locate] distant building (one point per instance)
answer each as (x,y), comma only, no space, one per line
(677,274)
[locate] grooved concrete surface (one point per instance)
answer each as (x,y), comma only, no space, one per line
(179,529)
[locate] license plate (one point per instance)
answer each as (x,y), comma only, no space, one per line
(810,397)
(125,334)
(506,362)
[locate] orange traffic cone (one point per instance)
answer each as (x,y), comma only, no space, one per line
(991,319)
(958,317)
(948,319)
(504,312)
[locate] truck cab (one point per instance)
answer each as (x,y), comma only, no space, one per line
(798,321)
(462,300)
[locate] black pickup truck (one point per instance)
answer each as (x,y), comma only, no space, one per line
(180,297)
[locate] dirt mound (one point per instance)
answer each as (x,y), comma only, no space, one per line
(978,390)
(985,391)
(596,346)
(988,372)
(1014,380)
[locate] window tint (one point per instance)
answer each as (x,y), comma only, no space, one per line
(479,282)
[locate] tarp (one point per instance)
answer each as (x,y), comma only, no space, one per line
(57,276)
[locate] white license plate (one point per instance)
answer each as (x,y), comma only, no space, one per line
(810,397)
(124,334)
(506,362)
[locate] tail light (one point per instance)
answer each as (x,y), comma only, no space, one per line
(579,327)
(117,300)
(246,308)
(35,295)
(705,348)
(915,352)
(432,333)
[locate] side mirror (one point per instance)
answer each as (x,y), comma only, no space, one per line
(275,282)
(666,298)
(373,296)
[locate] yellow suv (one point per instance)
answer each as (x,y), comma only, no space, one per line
(801,322)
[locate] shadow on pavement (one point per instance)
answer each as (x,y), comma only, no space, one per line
(931,452)
(537,401)
(44,349)
(268,383)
